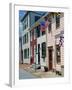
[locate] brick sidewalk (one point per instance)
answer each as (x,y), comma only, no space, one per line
(27,67)
(39,73)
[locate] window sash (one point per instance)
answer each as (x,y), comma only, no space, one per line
(43,49)
(26,53)
(57,21)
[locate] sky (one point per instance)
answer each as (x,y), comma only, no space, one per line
(21,14)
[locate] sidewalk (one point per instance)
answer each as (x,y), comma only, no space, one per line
(39,73)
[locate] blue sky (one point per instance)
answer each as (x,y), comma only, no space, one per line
(21,14)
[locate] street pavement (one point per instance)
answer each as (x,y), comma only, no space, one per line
(25,75)
(27,72)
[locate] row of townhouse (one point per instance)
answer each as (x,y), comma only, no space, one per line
(43,47)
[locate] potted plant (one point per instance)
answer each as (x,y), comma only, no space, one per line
(45,68)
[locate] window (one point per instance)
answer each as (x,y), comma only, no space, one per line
(26,53)
(36,18)
(49,27)
(26,37)
(25,23)
(38,31)
(58,54)
(24,26)
(57,21)
(30,35)
(23,40)
(43,50)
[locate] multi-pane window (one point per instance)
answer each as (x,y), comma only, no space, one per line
(30,35)
(25,38)
(43,49)
(26,53)
(38,31)
(57,21)
(24,26)
(58,58)
(25,23)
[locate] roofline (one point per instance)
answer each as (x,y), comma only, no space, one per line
(38,13)
(27,14)
(38,22)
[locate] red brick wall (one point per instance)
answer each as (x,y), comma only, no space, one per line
(32,43)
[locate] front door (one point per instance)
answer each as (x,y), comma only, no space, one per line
(50,49)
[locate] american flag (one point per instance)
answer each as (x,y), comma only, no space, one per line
(44,25)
